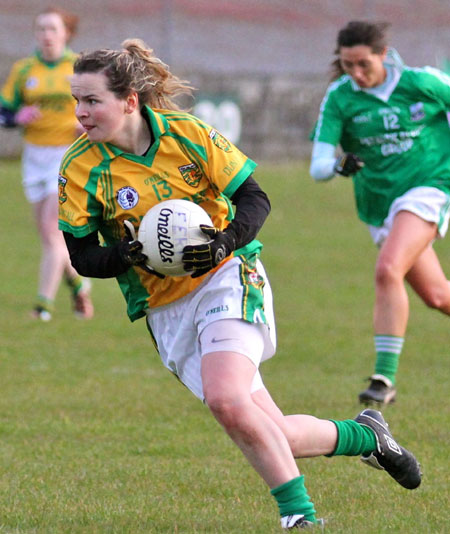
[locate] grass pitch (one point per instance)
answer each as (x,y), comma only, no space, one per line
(96,437)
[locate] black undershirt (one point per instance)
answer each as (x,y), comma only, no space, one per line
(147,120)
(89,258)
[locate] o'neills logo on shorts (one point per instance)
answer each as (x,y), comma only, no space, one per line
(165,243)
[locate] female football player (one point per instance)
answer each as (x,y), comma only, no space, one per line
(37,97)
(212,329)
(392,123)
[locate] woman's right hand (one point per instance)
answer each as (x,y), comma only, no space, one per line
(348,164)
(27,114)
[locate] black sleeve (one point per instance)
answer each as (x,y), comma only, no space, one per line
(7,118)
(89,258)
(252,209)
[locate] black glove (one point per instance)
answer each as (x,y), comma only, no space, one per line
(130,250)
(348,164)
(199,259)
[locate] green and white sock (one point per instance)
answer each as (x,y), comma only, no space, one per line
(388,350)
(292,498)
(44,303)
(75,284)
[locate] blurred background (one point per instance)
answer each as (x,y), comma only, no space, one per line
(260,66)
(88,439)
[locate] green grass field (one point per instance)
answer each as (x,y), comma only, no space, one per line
(97,438)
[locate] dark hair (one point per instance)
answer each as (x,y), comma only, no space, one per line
(360,32)
(70,20)
(135,68)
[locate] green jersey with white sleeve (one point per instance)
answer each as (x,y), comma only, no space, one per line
(400,130)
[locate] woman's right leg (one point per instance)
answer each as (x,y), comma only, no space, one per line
(307,435)
(367,435)
(54,254)
(55,262)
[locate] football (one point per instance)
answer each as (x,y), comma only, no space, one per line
(166,229)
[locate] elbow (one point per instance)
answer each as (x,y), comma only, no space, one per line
(80,268)
(322,169)
(268,204)
(7,118)
(79,265)
(319,176)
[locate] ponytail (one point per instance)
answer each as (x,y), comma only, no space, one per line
(136,68)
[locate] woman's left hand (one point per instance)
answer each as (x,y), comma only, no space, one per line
(199,259)
(27,114)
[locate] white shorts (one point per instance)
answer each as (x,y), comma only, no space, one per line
(40,169)
(209,319)
(428,203)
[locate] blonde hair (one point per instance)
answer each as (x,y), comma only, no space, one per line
(136,68)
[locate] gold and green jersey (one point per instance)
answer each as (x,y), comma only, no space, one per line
(100,187)
(35,82)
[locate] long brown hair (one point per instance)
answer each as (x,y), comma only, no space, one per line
(135,68)
(359,32)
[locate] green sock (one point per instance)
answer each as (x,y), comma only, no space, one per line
(292,498)
(388,349)
(75,284)
(353,439)
(44,303)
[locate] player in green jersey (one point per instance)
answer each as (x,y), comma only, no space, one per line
(36,96)
(392,123)
(212,329)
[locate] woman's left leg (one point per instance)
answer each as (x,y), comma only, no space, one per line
(227,379)
(429,281)
(270,440)
(409,238)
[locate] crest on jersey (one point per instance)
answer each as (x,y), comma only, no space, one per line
(127,197)
(62,195)
(417,112)
(254,278)
(220,141)
(31,82)
(191,174)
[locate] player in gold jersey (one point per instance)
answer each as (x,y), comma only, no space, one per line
(37,97)
(212,329)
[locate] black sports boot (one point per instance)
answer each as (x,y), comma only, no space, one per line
(389,455)
(380,390)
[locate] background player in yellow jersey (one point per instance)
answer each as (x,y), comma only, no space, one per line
(212,329)
(37,97)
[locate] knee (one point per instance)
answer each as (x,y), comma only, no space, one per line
(386,273)
(437,298)
(51,237)
(225,409)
